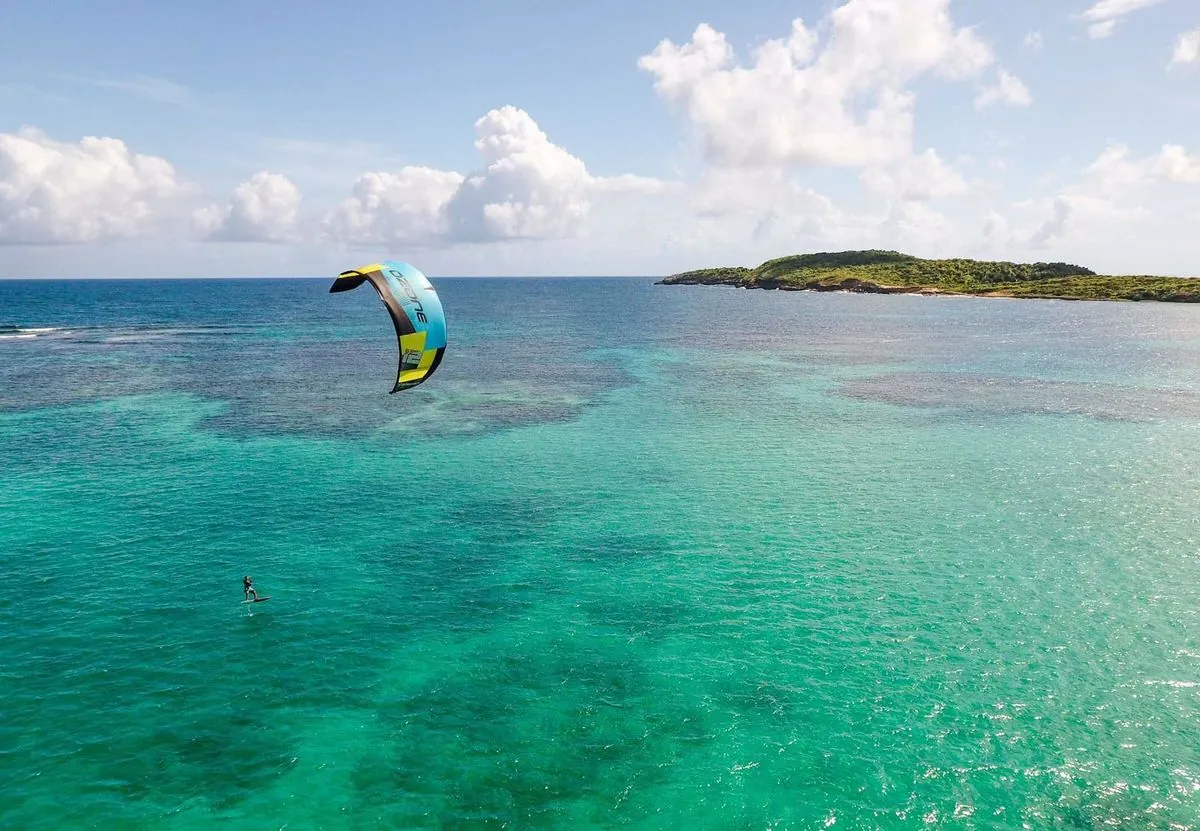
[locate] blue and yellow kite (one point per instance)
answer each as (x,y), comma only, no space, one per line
(416,312)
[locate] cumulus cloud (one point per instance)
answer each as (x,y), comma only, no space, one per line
(917,178)
(528,188)
(1187,49)
(1034,41)
(264,209)
(1115,171)
(843,102)
(88,191)
(1174,164)
(402,208)
(1100,199)
(1104,15)
(1008,89)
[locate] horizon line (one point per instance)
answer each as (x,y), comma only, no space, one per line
(332,276)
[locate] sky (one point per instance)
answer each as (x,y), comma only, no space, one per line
(148,139)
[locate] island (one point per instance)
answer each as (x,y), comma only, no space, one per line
(891,272)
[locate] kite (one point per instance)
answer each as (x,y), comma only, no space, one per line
(416,311)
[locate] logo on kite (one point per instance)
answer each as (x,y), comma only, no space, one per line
(416,312)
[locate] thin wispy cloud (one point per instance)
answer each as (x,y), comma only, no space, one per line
(160,90)
(322,149)
(1104,15)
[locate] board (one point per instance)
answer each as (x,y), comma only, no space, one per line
(258,600)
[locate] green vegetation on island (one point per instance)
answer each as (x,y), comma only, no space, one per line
(890,272)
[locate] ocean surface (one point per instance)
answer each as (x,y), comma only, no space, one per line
(637,556)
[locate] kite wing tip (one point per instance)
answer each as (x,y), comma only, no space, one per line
(347,280)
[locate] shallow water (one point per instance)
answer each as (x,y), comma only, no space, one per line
(637,556)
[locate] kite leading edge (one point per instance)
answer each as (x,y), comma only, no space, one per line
(416,312)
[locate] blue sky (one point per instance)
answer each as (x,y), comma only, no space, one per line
(299,138)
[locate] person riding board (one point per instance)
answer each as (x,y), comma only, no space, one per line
(248,587)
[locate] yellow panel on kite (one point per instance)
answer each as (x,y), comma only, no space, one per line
(422,368)
(414,342)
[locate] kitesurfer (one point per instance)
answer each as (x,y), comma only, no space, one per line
(248,587)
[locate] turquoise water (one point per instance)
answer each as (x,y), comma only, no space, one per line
(637,556)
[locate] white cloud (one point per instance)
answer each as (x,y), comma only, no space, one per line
(722,192)
(915,178)
(153,89)
(1008,89)
(1054,226)
(160,90)
(800,102)
(995,227)
(1187,49)
(89,191)
(263,209)
(1173,164)
(1057,220)
(1100,202)
(629,183)
(1114,172)
(839,92)
(1104,15)
(729,212)
(403,208)
(528,188)
(923,229)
